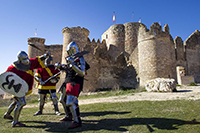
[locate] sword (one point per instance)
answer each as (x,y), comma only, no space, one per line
(52,77)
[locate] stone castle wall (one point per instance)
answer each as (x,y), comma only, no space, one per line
(129,54)
(156,54)
(192,52)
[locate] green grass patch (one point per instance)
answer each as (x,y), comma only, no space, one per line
(134,117)
(193,84)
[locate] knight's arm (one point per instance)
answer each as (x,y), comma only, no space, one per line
(38,78)
(80,70)
(44,56)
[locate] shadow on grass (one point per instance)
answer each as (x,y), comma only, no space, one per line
(179,91)
(110,124)
(103,113)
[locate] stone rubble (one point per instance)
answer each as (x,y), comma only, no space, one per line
(160,85)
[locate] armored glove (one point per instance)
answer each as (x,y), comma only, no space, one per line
(70,60)
(54,80)
(47,54)
(41,82)
(57,65)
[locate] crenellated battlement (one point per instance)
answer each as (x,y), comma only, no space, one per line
(128,54)
(76,30)
(154,32)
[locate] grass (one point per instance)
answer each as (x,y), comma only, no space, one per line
(134,117)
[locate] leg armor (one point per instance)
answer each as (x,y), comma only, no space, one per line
(72,102)
(11,108)
(62,100)
(42,98)
(54,99)
(20,104)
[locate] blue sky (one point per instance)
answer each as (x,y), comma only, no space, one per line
(20,18)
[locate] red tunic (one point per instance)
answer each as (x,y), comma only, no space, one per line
(27,76)
(44,74)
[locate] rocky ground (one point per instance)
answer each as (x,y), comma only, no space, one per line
(184,92)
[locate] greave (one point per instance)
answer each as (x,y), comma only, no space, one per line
(75,113)
(20,104)
(56,107)
(41,102)
(41,106)
(63,99)
(66,108)
(11,108)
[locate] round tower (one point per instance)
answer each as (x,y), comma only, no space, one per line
(77,34)
(39,42)
(156,53)
(131,36)
(115,38)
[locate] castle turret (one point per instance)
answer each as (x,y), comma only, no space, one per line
(115,39)
(77,34)
(39,42)
(155,53)
(131,36)
(192,52)
(180,51)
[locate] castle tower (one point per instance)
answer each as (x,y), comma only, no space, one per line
(192,51)
(39,42)
(180,52)
(155,53)
(77,34)
(115,38)
(131,36)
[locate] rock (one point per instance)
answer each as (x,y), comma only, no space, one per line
(161,85)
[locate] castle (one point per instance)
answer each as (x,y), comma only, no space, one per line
(128,54)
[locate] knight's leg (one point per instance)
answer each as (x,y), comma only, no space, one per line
(55,102)
(72,102)
(42,98)
(20,104)
(7,115)
(62,100)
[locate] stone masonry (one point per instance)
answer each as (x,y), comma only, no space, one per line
(128,55)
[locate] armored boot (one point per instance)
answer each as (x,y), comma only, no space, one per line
(10,109)
(76,115)
(68,113)
(41,104)
(56,109)
(20,104)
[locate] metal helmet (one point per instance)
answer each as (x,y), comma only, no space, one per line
(72,48)
(23,58)
(48,61)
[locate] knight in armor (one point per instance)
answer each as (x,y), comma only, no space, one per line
(46,86)
(71,88)
(23,67)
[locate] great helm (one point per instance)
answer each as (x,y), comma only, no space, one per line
(23,58)
(72,48)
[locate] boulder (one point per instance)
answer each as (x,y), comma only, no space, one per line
(161,85)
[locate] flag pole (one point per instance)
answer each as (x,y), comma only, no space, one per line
(35,31)
(132,16)
(113,17)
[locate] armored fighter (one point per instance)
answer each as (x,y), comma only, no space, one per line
(46,86)
(75,71)
(23,67)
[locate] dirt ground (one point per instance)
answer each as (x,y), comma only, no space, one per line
(184,92)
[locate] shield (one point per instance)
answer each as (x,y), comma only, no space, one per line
(13,84)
